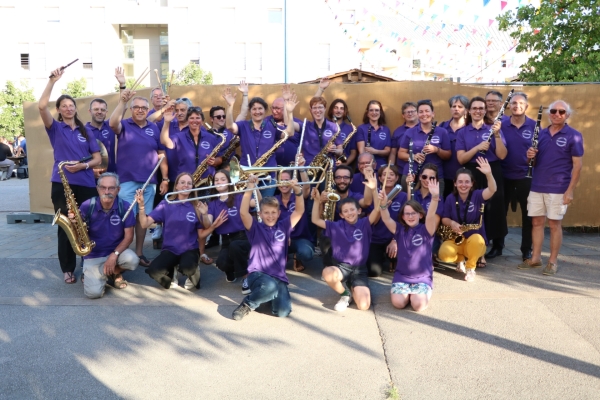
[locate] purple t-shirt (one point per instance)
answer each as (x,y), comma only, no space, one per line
(424,202)
(269,248)
(439,139)
(300,231)
(180,226)
(396,141)
(451,165)
(190,154)
(381,233)
(350,243)
(137,151)
(380,139)
(234,220)
(414,255)
(554,161)
(106,228)
(468,137)
(108,139)
(354,195)
(312,145)
(518,141)
(256,142)
(70,145)
(173,160)
(473,213)
(346,130)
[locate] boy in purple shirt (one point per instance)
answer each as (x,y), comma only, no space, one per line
(350,241)
(270,240)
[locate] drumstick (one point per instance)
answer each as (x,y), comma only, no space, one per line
(170,82)
(139,79)
(135,85)
(159,82)
(63,68)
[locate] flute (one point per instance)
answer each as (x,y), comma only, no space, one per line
(133,203)
(534,141)
(295,174)
(255,195)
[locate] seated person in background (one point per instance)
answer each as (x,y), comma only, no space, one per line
(5,152)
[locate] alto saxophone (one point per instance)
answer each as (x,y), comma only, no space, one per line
(233,144)
(262,160)
(343,157)
(332,197)
(201,169)
(76,229)
(446,233)
(321,159)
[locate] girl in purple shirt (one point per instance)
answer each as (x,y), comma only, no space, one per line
(413,279)
(373,136)
(70,142)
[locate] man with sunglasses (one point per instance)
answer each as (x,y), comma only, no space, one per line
(558,162)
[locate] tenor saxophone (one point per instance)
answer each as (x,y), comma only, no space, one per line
(446,233)
(233,144)
(322,159)
(201,169)
(262,160)
(332,197)
(76,229)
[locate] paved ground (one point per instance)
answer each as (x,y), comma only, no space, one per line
(510,334)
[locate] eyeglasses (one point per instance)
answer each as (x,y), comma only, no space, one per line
(561,112)
(139,108)
(194,109)
(411,214)
(425,177)
(317,108)
(342,178)
(410,111)
(107,188)
(277,108)
(493,101)
(219,117)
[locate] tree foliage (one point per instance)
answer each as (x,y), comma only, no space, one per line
(77,88)
(129,83)
(192,74)
(11,109)
(563,36)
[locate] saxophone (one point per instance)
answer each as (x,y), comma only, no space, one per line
(262,160)
(446,233)
(343,157)
(76,229)
(201,169)
(322,159)
(332,197)
(233,144)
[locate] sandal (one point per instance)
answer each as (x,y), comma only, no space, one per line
(70,278)
(298,267)
(144,261)
(481,264)
(206,259)
(118,282)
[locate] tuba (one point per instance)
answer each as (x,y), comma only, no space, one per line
(76,229)
(446,233)
(203,166)
(100,169)
(321,159)
(332,198)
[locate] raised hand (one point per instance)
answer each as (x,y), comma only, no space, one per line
(120,75)
(314,194)
(229,96)
(169,114)
(291,103)
(56,74)
(301,160)
(371,182)
(220,219)
(202,207)
(286,92)
(243,87)
(139,197)
(127,95)
(383,199)
(324,83)
(252,181)
(484,167)
(434,188)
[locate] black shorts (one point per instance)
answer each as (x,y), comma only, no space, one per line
(354,276)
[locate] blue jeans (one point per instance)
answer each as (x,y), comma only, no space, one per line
(128,190)
(304,250)
(265,288)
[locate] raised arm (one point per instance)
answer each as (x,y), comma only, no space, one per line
(367,199)
(372,185)
(288,119)
(158,115)
(244,109)
(229,98)
(485,169)
(45,97)
(431,219)
(290,104)
(385,213)
(117,114)
(145,220)
(164,133)
(323,84)
(316,210)
(297,214)
(247,219)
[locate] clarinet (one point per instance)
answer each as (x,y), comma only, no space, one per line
(255,195)
(498,117)
(295,174)
(427,143)
(410,164)
(369,136)
(534,141)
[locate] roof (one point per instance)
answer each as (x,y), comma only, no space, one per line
(355,76)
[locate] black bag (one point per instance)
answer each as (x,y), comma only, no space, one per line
(23,172)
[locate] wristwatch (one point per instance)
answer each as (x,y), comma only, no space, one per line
(166,180)
(122,87)
(117,253)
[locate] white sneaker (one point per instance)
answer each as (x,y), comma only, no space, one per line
(343,303)
(470,276)
(460,267)
(157,234)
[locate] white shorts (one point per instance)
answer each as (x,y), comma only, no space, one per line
(93,268)
(546,205)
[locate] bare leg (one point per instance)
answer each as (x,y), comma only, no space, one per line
(333,276)
(537,236)
(362,297)
(556,236)
(419,302)
(400,300)
(140,235)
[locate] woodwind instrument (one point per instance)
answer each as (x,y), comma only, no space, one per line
(349,137)
(534,141)
(299,151)
(498,117)
(332,197)
(446,233)
(233,144)
(203,166)
(322,159)
(411,161)
(427,143)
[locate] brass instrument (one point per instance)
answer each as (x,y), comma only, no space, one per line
(332,197)
(203,166)
(343,157)
(446,233)
(233,145)
(100,169)
(322,159)
(262,160)
(76,229)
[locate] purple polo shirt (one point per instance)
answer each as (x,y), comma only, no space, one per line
(439,139)
(108,139)
(518,141)
(350,243)
(106,228)
(473,213)
(70,145)
(152,111)
(396,141)
(180,226)
(190,154)
(256,142)
(451,165)
(269,248)
(346,130)
(228,137)
(286,154)
(300,231)
(554,161)
(312,145)
(234,220)
(137,151)
(381,233)
(414,255)
(173,160)
(357,184)
(468,137)
(425,201)
(354,195)
(380,139)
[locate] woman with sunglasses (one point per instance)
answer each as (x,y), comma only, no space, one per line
(463,207)
(458,109)
(429,173)
(470,140)
(373,136)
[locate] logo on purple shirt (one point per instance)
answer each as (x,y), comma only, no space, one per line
(561,142)
(417,240)
(205,145)
(471,207)
(149,131)
(267,134)
(435,140)
(327,133)
(279,235)
(105,134)
(357,234)
(292,207)
(382,135)
(395,206)
(81,138)
(485,136)
(115,220)
(527,134)
(190,217)
(232,211)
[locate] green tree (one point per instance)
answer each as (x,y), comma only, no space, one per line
(563,36)
(77,88)
(11,109)
(129,83)
(192,74)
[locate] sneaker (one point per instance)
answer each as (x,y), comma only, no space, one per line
(229,277)
(245,287)
(460,267)
(157,234)
(174,281)
(470,275)
(318,251)
(343,303)
(528,264)
(550,269)
(241,311)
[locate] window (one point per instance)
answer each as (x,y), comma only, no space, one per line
(254,57)
(275,16)
(416,63)
(25,60)
(128,47)
(88,66)
(195,61)
(194,52)
(503,63)
(52,14)
(240,55)
(128,70)
(322,61)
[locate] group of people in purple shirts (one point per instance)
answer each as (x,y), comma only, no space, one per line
(456,173)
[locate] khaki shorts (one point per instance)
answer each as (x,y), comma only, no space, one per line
(546,205)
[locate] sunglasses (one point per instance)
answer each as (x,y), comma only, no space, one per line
(425,177)
(182,99)
(219,117)
(561,112)
(194,109)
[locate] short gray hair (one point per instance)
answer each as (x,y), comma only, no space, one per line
(154,90)
(139,98)
(567,106)
(522,94)
(109,175)
(184,100)
(460,98)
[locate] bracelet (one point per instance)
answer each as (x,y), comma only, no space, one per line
(437,198)
(122,87)
(245,95)
(87,166)
(383,207)
(298,194)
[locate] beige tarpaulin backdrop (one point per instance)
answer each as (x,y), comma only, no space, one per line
(391,94)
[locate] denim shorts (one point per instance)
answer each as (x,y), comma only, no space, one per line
(128,190)
(354,276)
(411,288)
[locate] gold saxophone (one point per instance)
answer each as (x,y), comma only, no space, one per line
(233,144)
(322,159)
(262,160)
(332,197)
(446,233)
(76,229)
(343,157)
(201,169)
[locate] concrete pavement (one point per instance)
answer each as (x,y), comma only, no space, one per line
(510,334)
